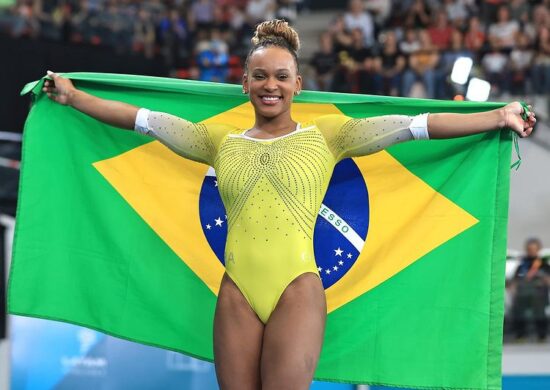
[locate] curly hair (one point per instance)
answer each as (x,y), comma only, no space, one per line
(277,33)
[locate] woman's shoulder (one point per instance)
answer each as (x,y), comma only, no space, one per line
(219,130)
(330,122)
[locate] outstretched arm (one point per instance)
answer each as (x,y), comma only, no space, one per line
(354,137)
(195,141)
(449,125)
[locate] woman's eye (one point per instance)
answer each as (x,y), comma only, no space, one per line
(283,76)
(259,76)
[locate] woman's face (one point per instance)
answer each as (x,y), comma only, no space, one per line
(271,80)
(532,249)
(503,14)
(410,35)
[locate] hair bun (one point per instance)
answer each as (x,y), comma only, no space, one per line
(276,28)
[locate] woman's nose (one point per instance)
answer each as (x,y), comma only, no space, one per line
(270,84)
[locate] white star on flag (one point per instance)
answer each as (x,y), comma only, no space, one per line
(215,183)
(349,255)
(218,221)
(335,268)
(208,226)
(327,271)
(319,269)
(338,252)
(341,262)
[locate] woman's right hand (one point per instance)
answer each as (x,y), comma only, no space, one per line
(59,89)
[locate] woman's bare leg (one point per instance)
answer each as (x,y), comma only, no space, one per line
(238,336)
(293,335)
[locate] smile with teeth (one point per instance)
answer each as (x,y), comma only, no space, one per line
(270,99)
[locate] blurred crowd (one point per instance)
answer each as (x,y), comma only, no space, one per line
(528,298)
(391,47)
(387,47)
(201,39)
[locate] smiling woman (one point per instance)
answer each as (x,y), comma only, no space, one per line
(271,310)
(272,77)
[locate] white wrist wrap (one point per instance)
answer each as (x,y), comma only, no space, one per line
(419,126)
(142,125)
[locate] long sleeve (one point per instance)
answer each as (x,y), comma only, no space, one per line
(351,137)
(195,141)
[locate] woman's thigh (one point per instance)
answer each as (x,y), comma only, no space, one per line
(238,336)
(293,335)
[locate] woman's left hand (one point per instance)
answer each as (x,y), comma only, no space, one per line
(513,119)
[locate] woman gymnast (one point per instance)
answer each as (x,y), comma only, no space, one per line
(271,310)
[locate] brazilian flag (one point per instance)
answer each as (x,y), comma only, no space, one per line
(117,233)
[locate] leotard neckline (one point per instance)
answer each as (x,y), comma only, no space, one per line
(296,130)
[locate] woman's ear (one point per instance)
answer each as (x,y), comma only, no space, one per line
(298,83)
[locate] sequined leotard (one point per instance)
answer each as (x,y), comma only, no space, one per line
(272,189)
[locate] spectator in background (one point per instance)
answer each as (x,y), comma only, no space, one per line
(418,16)
(61,18)
(530,286)
(116,27)
(44,14)
(474,38)
(457,13)
(541,62)
(340,36)
(440,31)
(520,11)
(238,28)
(25,22)
(448,58)
(95,5)
(489,9)
(422,65)
(358,51)
(144,34)
(342,80)
(541,16)
(213,58)
(502,34)
(85,21)
(392,64)
(410,44)
(219,20)
(495,66)
(356,17)
(380,10)
(202,13)
(175,34)
(362,74)
(369,76)
(521,59)
(204,57)
(259,10)
(236,18)
(323,62)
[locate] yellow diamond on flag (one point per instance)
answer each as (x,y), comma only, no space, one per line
(408,218)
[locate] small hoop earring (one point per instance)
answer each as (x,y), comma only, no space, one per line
(244,91)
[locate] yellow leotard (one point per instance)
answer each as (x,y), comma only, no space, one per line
(272,189)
